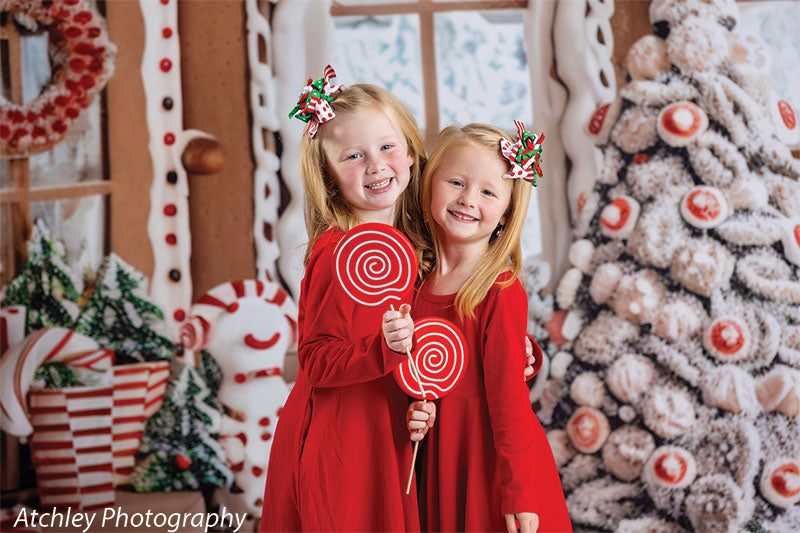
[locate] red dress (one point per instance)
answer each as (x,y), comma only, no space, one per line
(487,454)
(341,454)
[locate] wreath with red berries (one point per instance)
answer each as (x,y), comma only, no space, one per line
(81,61)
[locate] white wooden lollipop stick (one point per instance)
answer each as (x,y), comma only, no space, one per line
(415,373)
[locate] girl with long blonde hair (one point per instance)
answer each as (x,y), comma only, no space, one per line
(487,464)
(341,449)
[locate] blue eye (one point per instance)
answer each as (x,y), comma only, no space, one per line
(353,157)
(387,147)
(487,192)
(457,183)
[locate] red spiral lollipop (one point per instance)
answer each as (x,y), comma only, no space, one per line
(440,357)
(375,264)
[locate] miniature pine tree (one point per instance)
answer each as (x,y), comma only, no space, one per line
(47,286)
(119,316)
(182,452)
(675,399)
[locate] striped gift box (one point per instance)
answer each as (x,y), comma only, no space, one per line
(71,446)
(138,393)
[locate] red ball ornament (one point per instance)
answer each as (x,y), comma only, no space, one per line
(182,462)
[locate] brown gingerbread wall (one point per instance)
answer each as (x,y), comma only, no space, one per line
(214,72)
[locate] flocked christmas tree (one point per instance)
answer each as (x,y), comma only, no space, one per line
(47,286)
(181,452)
(119,316)
(673,402)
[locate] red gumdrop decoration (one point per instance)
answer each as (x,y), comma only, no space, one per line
(93,32)
(87,82)
(257,471)
(278,411)
(68,2)
(640,158)
(85,48)
(5,131)
(73,32)
(183,462)
(264,421)
(240,378)
(165,65)
(31,116)
(73,87)
(38,131)
(232,307)
(73,112)
(48,109)
(165,2)
(62,100)
(179,315)
(82,17)
(96,65)
(169,139)
(77,64)
(170,210)
(171,239)
(266,436)
(166,33)
(59,127)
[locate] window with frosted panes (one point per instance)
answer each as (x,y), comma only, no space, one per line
(449,62)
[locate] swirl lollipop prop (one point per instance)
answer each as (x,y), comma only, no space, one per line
(435,368)
(375,264)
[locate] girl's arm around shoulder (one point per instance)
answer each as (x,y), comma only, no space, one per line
(329,353)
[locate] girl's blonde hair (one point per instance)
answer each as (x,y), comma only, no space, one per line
(505,252)
(325,206)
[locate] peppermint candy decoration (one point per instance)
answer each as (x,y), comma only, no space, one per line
(780,482)
(313,104)
(440,358)
(524,155)
(670,467)
(375,264)
(704,207)
(728,339)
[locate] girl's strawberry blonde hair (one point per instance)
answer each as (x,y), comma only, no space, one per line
(505,252)
(325,206)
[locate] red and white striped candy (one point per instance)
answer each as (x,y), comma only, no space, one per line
(704,207)
(19,365)
(681,123)
(376,264)
(670,467)
(780,482)
(440,357)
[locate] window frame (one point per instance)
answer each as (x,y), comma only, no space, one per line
(426,10)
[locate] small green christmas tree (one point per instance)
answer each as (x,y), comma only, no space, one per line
(47,285)
(119,316)
(182,453)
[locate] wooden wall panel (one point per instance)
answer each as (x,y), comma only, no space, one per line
(130,169)
(215,92)
(630,21)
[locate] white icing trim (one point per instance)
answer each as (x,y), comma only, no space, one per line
(265,173)
(306,47)
(170,295)
(549,97)
(581,58)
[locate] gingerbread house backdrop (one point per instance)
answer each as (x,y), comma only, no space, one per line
(177,154)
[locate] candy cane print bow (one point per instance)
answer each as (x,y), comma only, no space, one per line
(524,155)
(313,104)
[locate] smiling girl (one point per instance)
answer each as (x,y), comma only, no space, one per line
(488,463)
(341,450)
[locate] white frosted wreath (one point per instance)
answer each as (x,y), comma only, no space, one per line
(81,60)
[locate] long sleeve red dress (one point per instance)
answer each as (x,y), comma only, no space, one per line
(341,454)
(487,454)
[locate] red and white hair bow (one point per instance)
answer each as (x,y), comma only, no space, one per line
(524,155)
(313,105)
